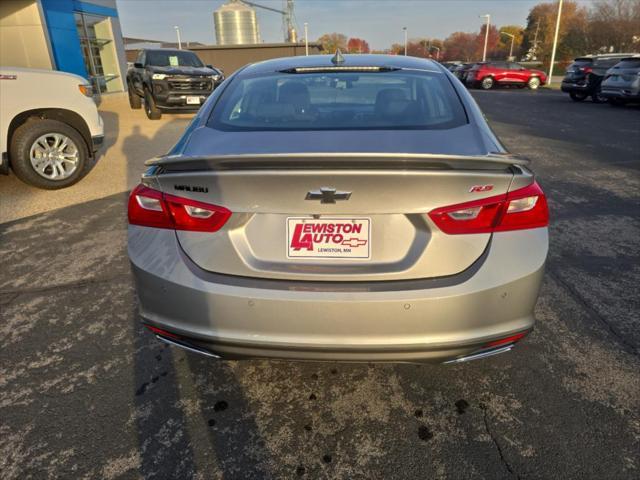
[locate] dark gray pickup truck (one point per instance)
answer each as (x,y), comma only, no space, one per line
(170,80)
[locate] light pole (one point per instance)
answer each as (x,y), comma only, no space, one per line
(178,34)
(486,36)
(555,43)
(513,37)
(306,39)
(437,52)
(405,40)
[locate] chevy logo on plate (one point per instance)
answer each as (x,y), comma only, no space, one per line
(328,238)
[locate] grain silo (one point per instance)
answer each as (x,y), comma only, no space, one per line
(236,24)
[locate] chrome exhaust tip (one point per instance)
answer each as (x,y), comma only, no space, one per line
(481,354)
(188,347)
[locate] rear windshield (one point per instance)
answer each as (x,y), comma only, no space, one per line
(629,63)
(581,62)
(173,59)
(339,100)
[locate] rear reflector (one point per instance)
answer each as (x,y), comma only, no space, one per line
(152,208)
(162,333)
(521,209)
(506,340)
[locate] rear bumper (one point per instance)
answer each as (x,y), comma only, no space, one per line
(621,93)
(411,321)
(570,87)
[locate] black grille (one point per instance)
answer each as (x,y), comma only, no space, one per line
(198,85)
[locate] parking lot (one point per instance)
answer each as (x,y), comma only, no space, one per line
(85,392)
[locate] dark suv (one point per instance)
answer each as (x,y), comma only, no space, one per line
(621,83)
(169,79)
(585,74)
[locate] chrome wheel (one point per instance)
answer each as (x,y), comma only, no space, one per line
(487,83)
(534,83)
(54,156)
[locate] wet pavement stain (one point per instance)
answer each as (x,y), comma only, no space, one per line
(461,406)
(220,406)
(424,433)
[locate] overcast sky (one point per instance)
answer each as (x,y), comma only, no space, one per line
(379,22)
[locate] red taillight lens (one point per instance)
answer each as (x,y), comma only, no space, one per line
(586,69)
(147,208)
(151,208)
(517,210)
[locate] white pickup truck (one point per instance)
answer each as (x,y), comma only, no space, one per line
(50,129)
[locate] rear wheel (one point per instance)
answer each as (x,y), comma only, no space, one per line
(135,102)
(487,83)
(150,108)
(578,97)
(533,83)
(598,98)
(49,154)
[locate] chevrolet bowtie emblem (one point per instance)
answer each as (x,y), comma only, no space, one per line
(327,195)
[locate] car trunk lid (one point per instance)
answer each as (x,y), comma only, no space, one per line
(377,203)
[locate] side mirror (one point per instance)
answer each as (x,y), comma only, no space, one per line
(209,66)
(138,65)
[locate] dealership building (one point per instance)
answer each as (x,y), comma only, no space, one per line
(81,37)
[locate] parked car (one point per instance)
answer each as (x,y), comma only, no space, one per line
(460,72)
(167,79)
(451,66)
(621,83)
(50,129)
(352,208)
(487,75)
(584,76)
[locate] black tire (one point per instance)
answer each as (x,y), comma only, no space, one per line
(135,102)
(486,83)
(578,97)
(23,139)
(597,97)
(153,112)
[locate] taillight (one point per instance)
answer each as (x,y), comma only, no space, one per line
(586,69)
(151,208)
(521,209)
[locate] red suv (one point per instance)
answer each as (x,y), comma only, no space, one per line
(488,74)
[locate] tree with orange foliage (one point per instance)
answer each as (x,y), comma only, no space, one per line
(357,45)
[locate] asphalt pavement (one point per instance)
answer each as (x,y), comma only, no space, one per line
(85,392)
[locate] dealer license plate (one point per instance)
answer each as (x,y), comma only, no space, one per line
(328,238)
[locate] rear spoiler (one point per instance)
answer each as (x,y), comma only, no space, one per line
(306,161)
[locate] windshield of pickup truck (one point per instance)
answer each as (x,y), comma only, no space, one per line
(173,59)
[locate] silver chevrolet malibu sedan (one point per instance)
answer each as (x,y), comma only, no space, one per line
(344,208)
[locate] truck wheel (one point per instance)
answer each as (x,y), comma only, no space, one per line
(48,154)
(533,83)
(135,102)
(578,97)
(487,83)
(153,112)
